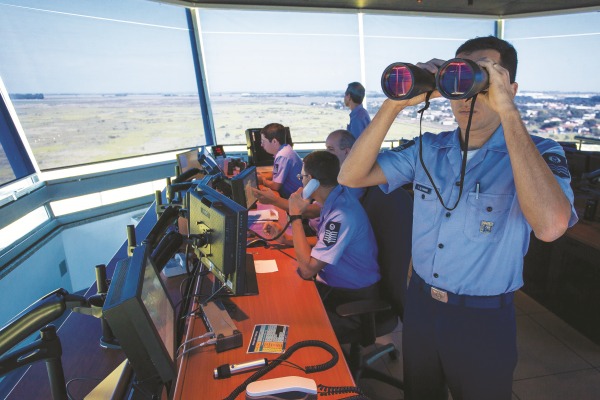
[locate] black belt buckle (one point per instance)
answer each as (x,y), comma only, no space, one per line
(439,295)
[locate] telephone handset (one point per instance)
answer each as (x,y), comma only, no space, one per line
(310,188)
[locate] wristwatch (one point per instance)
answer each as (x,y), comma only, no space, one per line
(295,217)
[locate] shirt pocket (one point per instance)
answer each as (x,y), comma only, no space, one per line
(426,202)
(486,216)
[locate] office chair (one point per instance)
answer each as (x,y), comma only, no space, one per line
(391,219)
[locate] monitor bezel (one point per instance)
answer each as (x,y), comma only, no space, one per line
(132,325)
(238,187)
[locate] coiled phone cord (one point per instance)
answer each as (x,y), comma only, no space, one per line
(274,363)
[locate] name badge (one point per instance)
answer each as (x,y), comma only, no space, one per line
(486,226)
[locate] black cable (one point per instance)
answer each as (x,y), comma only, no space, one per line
(69,396)
(333,390)
(463,166)
(309,369)
(275,237)
(289,255)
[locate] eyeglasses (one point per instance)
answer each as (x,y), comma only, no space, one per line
(300,176)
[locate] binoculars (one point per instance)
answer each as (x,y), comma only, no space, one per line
(456,79)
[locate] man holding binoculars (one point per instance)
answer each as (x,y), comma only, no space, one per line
(478,193)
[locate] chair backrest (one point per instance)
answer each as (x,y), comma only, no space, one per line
(391,217)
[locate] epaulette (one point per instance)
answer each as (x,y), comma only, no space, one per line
(404,146)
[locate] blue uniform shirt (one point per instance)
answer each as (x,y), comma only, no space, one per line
(346,243)
(359,119)
(477,248)
(286,167)
(356,192)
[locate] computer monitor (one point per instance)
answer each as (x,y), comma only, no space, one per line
(241,185)
(140,313)
(187,161)
(219,226)
(207,160)
(257,156)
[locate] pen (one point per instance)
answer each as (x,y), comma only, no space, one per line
(477,191)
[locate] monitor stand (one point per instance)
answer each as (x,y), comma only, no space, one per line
(250,276)
(250,282)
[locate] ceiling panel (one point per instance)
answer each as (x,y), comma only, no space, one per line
(491,8)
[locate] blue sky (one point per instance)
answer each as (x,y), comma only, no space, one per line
(108,46)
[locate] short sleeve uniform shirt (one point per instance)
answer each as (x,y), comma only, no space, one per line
(286,167)
(359,119)
(346,243)
(477,248)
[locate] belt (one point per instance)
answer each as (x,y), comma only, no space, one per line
(464,300)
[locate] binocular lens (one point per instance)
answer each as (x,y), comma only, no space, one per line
(403,81)
(461,79)
(397,81)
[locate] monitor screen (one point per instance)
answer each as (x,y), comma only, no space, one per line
(220,226)
(140,313)
(189,160)
(241,187)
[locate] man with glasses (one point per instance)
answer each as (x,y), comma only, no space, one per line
(287,164)
(344,259)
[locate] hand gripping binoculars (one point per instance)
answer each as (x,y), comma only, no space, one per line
(456,79)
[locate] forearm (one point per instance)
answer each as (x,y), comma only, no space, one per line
(360,167)
(270,184)
(540,196)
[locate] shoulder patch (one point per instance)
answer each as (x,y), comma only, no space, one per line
(557,164)
(332,230)
(275,168)
(404,146)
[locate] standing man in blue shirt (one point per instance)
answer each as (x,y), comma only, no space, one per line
(359,117)
(344,258)
(459,323)
(287,164)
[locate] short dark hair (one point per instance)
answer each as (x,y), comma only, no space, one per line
(508,54)
(274,131)
(356,92)
(323,166)
(345,138)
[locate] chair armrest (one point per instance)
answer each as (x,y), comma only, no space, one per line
(362,307)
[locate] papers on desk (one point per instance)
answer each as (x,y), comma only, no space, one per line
(265,266)
(262,215)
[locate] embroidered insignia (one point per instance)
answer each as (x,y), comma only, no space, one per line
(486,227)
(332,231)
(275,168)
(557,164)
(404,146)
(422,188)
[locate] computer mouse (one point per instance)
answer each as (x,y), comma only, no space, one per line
(257,243)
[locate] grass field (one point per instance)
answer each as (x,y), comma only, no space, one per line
(67,130)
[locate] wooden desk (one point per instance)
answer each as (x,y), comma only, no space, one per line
(284,299)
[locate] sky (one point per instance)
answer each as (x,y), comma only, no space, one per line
(141,46)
